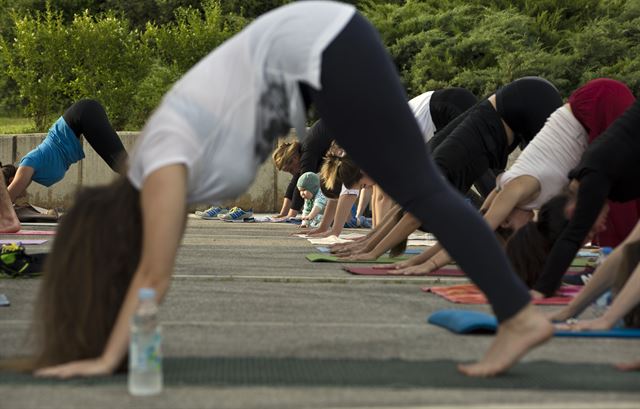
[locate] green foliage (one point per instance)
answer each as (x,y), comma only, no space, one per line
(192,36)
(150,92)
(484,44)
(55,62)
(107,62)
(128,53)
(38,61)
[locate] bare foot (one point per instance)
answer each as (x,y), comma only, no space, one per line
(515,337)
(9,225)
(634,366)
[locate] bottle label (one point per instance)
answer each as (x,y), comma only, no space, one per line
(145,354)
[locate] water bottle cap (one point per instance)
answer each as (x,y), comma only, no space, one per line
(146,294)
(606,250)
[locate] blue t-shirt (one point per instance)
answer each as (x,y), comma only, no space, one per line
(51,159)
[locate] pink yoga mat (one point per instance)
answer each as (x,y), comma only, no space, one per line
(23,242)
(370,271)
(470,294)
(33,233)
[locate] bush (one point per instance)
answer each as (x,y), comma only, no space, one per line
(128,58)
(38,61)
(108,62)
(150,92)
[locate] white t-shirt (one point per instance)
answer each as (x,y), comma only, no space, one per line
(550,156)
(420,107)
(223,116)
(347,191)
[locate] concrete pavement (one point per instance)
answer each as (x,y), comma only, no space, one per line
(244,292)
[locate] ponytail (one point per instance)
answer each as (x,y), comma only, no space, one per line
(336,171)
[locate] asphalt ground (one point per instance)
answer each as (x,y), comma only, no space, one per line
(250,323)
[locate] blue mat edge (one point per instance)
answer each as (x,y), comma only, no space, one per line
(466,322)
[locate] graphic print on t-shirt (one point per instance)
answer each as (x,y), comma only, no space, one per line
(272,116)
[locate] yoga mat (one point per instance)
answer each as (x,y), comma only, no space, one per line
(323,249)
(470,294)
(33,233)
(475,322)
(22,242)
(583,261)
(399,374)
(320,257)
(370,271)
(422,236)
(328,240)
(247,220)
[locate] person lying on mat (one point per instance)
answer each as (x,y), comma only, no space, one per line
(608,170)
(49,161)
(541,171)
(477,142)
(201,145)
(620,272)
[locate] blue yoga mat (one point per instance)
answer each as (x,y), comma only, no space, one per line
(467,322)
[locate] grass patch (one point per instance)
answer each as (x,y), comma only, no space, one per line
(13,125)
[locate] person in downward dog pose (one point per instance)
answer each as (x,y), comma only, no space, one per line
(204,146)
(49,161)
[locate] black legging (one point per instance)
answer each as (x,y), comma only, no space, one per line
(448,106)
(364,105)
(87,117)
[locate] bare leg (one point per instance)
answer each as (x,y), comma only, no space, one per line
(383,204)
(516,336)
(9,222)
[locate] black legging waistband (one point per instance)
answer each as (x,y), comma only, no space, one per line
(525,104)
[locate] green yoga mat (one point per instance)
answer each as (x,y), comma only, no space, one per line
(322,257)
(583,261)
(327,258)
(296,372)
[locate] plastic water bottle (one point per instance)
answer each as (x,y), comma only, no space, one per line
(602,302)
(145,359)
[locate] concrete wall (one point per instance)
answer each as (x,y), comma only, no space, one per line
(264,195)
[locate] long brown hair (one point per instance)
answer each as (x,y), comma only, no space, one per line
(87,274)
(528,248)
(630,260)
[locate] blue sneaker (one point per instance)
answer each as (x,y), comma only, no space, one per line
(212,213)
(236,213)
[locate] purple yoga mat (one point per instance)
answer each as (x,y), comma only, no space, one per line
(33,233)
(23,242)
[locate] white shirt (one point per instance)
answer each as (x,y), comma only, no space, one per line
(223,116)
(550,156)
(420,107)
